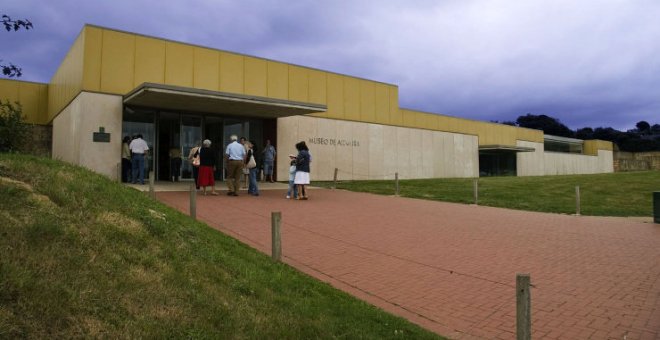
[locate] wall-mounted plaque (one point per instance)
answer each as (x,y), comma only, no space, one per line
(101,136)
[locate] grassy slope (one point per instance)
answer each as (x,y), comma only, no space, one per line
(615,194)
(84,257)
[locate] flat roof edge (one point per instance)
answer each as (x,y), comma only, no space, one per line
(506,148)
(224,95)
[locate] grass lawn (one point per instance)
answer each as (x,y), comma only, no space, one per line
(84,257)
(615,194)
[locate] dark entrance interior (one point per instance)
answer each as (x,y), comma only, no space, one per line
(165,130)
(497,163)
(169,137)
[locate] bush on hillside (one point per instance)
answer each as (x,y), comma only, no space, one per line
(13,130)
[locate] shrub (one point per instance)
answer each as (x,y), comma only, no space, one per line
(13,131)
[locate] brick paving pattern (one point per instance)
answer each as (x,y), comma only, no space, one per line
(451,268)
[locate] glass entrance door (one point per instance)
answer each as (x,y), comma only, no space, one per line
(191,134)
(170,132)
(169,135)
(142,122)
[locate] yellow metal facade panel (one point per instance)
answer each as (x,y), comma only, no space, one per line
(43,104)
(149,61)
(178,64)
(421,120)
(206,67)
(431,122)
(529,135)
(351,98)
(256,77)
(9,90)
(298,84)
(33,99)
(231,73)
(605,145)
(335,96)
(592,146)
(447,124)
(93,45)
(278,80)
(396,117)
(317,87)
(117,62)
(67,81)
(367,101)
(496,134)
(382,104)
(31,96)
(408,118)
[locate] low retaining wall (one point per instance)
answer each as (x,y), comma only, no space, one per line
(636,161)
(39,141)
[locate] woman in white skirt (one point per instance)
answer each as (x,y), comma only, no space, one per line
(302,170)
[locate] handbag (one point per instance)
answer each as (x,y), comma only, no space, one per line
(196,160)
(251,163)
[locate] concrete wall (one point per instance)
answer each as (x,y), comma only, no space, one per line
(73,130)
(541,163)
(40,140)
(636,161)
(372,151)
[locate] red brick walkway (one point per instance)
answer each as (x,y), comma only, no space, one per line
(451,268)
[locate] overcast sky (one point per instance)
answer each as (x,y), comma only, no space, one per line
(588,63)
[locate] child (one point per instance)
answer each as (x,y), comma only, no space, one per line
(292,175)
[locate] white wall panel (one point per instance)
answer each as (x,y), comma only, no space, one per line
(373,151)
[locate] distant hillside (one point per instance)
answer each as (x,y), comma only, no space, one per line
(82,256)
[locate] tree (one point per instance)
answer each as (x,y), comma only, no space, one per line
(12,70)
(607,133)
(585,133)
(655,129)
(13,131)
(643,127)
(549,125)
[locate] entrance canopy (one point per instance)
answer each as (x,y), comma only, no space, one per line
(188,99)
(505,148)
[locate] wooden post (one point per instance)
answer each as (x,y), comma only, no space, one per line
(275,219)
(119,172)
(152,191)
(334,181)
(577,200)
(193,201)
(476,191)
(396,183)
(523,308)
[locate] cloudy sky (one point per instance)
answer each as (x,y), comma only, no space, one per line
(588,63)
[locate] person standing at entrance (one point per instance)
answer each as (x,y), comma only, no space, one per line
(251,166)
(193,158)
(125,160)
(269,160)
(235,156)
(175,163)
(302,169)
(244,174)
(139,150)
(207,163)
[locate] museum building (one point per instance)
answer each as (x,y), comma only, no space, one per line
(113,84)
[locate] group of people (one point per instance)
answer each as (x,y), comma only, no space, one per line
(240,160)
(133,153)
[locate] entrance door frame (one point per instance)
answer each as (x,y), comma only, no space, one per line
(204,121)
